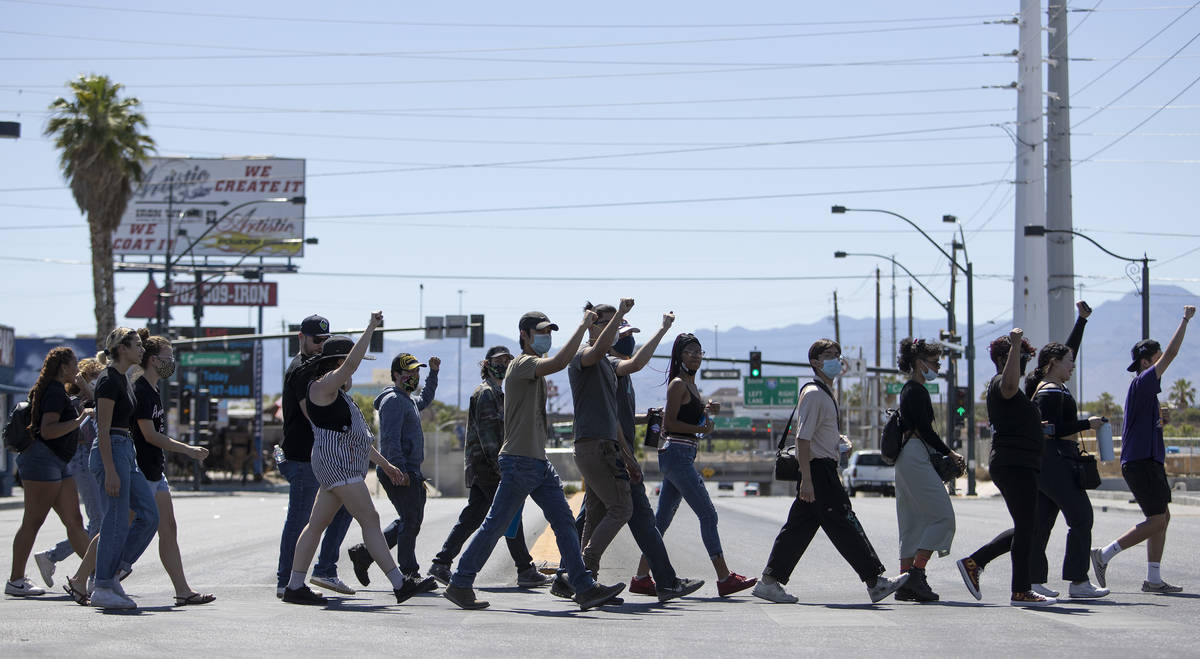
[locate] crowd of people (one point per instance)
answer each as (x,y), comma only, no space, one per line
(102,440)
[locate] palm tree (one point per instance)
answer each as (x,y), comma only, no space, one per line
(102,150)
(1183,394)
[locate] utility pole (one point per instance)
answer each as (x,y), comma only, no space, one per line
(1029,256)
(910,324)
(876,393)
(837,336)
(895,347)
(460,308)
(1060,264)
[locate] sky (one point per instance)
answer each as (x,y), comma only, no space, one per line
(536,155)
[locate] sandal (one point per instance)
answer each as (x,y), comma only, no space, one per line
(195,598)
(80,596)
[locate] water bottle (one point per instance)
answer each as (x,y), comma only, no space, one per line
(279,457)
(1104,441)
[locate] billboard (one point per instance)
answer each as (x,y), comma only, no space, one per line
(222,206)
(225,369)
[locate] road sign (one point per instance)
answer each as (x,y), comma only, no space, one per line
(778,391)
(732,423)
(720,374)
(228,294)
(894,388)
(210,359)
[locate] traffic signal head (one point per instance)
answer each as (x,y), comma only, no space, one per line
(961,396)
(755,364)
(476,333)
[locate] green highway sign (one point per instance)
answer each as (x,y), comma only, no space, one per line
(778,391)
(732,422)
(894,388)
(192,359)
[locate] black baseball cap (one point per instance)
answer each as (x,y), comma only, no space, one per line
(1144,349)
(496,351)
(315,325)
(536,320)
(338,346)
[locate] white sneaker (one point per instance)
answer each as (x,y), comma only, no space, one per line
(1041,589)
(45,566)
(23,587)
(107,598)
(884,586)
(91,584)
(774,592)
(1086,591)
(332,583)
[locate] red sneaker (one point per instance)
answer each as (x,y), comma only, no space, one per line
(734,583)
(643,586)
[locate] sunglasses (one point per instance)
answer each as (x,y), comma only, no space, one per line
(318,339)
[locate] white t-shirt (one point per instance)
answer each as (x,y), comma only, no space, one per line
(817,422)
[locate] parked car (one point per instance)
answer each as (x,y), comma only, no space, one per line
(751,490)
(867,472)
(724,485)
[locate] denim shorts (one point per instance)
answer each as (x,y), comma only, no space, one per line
(39,463)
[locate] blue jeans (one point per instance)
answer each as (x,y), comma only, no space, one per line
(681,481)
(521,477)
(301,495)
(91,495)
(122,543)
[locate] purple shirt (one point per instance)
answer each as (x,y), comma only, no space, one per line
(1141,431)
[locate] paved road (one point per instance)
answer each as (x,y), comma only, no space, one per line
(230,547)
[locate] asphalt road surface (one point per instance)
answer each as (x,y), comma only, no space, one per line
(230,546)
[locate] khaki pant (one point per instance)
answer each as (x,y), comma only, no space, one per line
(609,504)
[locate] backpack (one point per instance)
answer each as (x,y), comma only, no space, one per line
(891,440)
(17,436)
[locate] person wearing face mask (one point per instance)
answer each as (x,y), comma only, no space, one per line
(402,442)
(821,501)
(342,451)
(481,451)
(923,511)
(1015,460)
(685,417)
(525,471)
(1057,488)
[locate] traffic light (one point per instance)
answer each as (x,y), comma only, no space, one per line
(185,406)
(376,341)
(476,340)
(961,396)
(755,364)
(214,410)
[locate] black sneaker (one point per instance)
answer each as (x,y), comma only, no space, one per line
(303,595)
(597,595)
(918,586)
(464,598)
(562,587)
(441,573)
(681,588)
(407,590)
(361,558)
(426,585)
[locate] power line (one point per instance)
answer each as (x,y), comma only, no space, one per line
(1140,123)
(1135,51)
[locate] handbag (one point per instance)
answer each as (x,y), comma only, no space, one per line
(1085,468)
(787,467)
(947,468)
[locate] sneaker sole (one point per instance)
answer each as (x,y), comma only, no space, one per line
(328,586)
(1099,569)
(683,593)
(792,600)
(1033,604)
(966,577)
(46,567)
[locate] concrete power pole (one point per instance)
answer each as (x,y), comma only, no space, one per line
(1060,263)
(1029,253)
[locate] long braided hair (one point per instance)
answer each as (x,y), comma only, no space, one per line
(1053,350)
(55,360)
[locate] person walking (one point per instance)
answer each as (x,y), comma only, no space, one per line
(402,442)
(297,469)
(150,440)
(821,501)
(1143,455)
(80,391)
(1015,460)
(923,511)
(114,462)
(481,452)
(525,471)
(45,467)
(685,417)
(342,451)
(1058,489)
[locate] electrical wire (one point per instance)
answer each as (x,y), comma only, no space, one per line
(1139,82)
(1139,124)
(1135,50)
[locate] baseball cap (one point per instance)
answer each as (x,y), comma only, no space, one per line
(338,346)
(315,325)
(625,328)
(535,320)
(497,350)
(405,362)
(1144,349)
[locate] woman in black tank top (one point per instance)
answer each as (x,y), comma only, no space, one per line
(685,417)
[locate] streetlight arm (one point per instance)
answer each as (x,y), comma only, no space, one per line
(1098,245)
(943,305)
(911,223)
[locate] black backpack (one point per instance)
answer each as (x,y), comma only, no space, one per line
(891,440)
(17,436)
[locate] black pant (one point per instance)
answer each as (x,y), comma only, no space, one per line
(832,512)
(1057,490)
(1018,486)
(479,501)
(409,502)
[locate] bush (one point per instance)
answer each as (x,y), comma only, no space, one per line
(570,489)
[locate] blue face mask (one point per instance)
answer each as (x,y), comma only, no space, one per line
(624,345)
(541,343)
(831,368)
(929,375)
